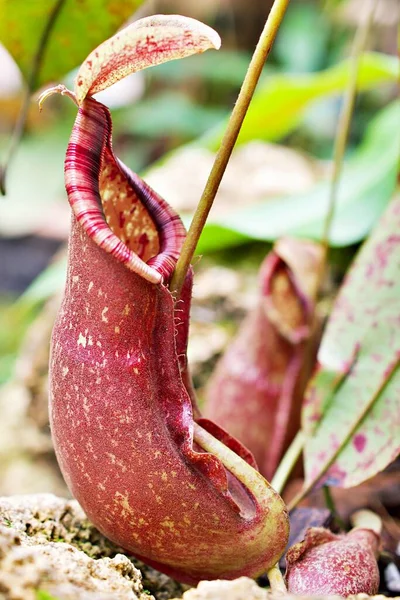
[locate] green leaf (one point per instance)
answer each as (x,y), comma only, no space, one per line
(294,47)
(14,322)
(78,28)
(215,237)
(48,283)
(35,181)
(281,100)
(17,316)
(351,414)
(229,69)
(367,184)
(43,595)
(168,114)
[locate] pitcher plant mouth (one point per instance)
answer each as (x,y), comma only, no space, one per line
(155,477)
(114,205)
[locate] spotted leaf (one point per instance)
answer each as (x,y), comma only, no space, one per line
(352,411)
(144,43)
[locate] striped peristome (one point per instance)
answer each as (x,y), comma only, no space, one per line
(89,153)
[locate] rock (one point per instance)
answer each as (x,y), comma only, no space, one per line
(238,589)
(247,589)
(48,549)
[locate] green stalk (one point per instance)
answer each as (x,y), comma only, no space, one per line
(288,462)
(331,506)
(343,128)
(293,452)
(228,141)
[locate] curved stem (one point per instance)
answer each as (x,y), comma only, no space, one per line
(57,89)
(250,478)
(30,86)
(268,519)
(228,141)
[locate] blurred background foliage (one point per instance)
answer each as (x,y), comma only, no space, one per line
(168,122)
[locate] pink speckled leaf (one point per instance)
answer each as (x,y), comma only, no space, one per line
(144,43)
(352,407)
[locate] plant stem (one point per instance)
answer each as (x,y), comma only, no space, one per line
(288,462)
(228,141)
(251,479)
(343,128)
(19,127)
(329,502)
(57,89)
(276,580)
(330,505)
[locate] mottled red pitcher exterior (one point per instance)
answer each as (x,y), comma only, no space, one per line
(257,389)
(121,404)
(325,564)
